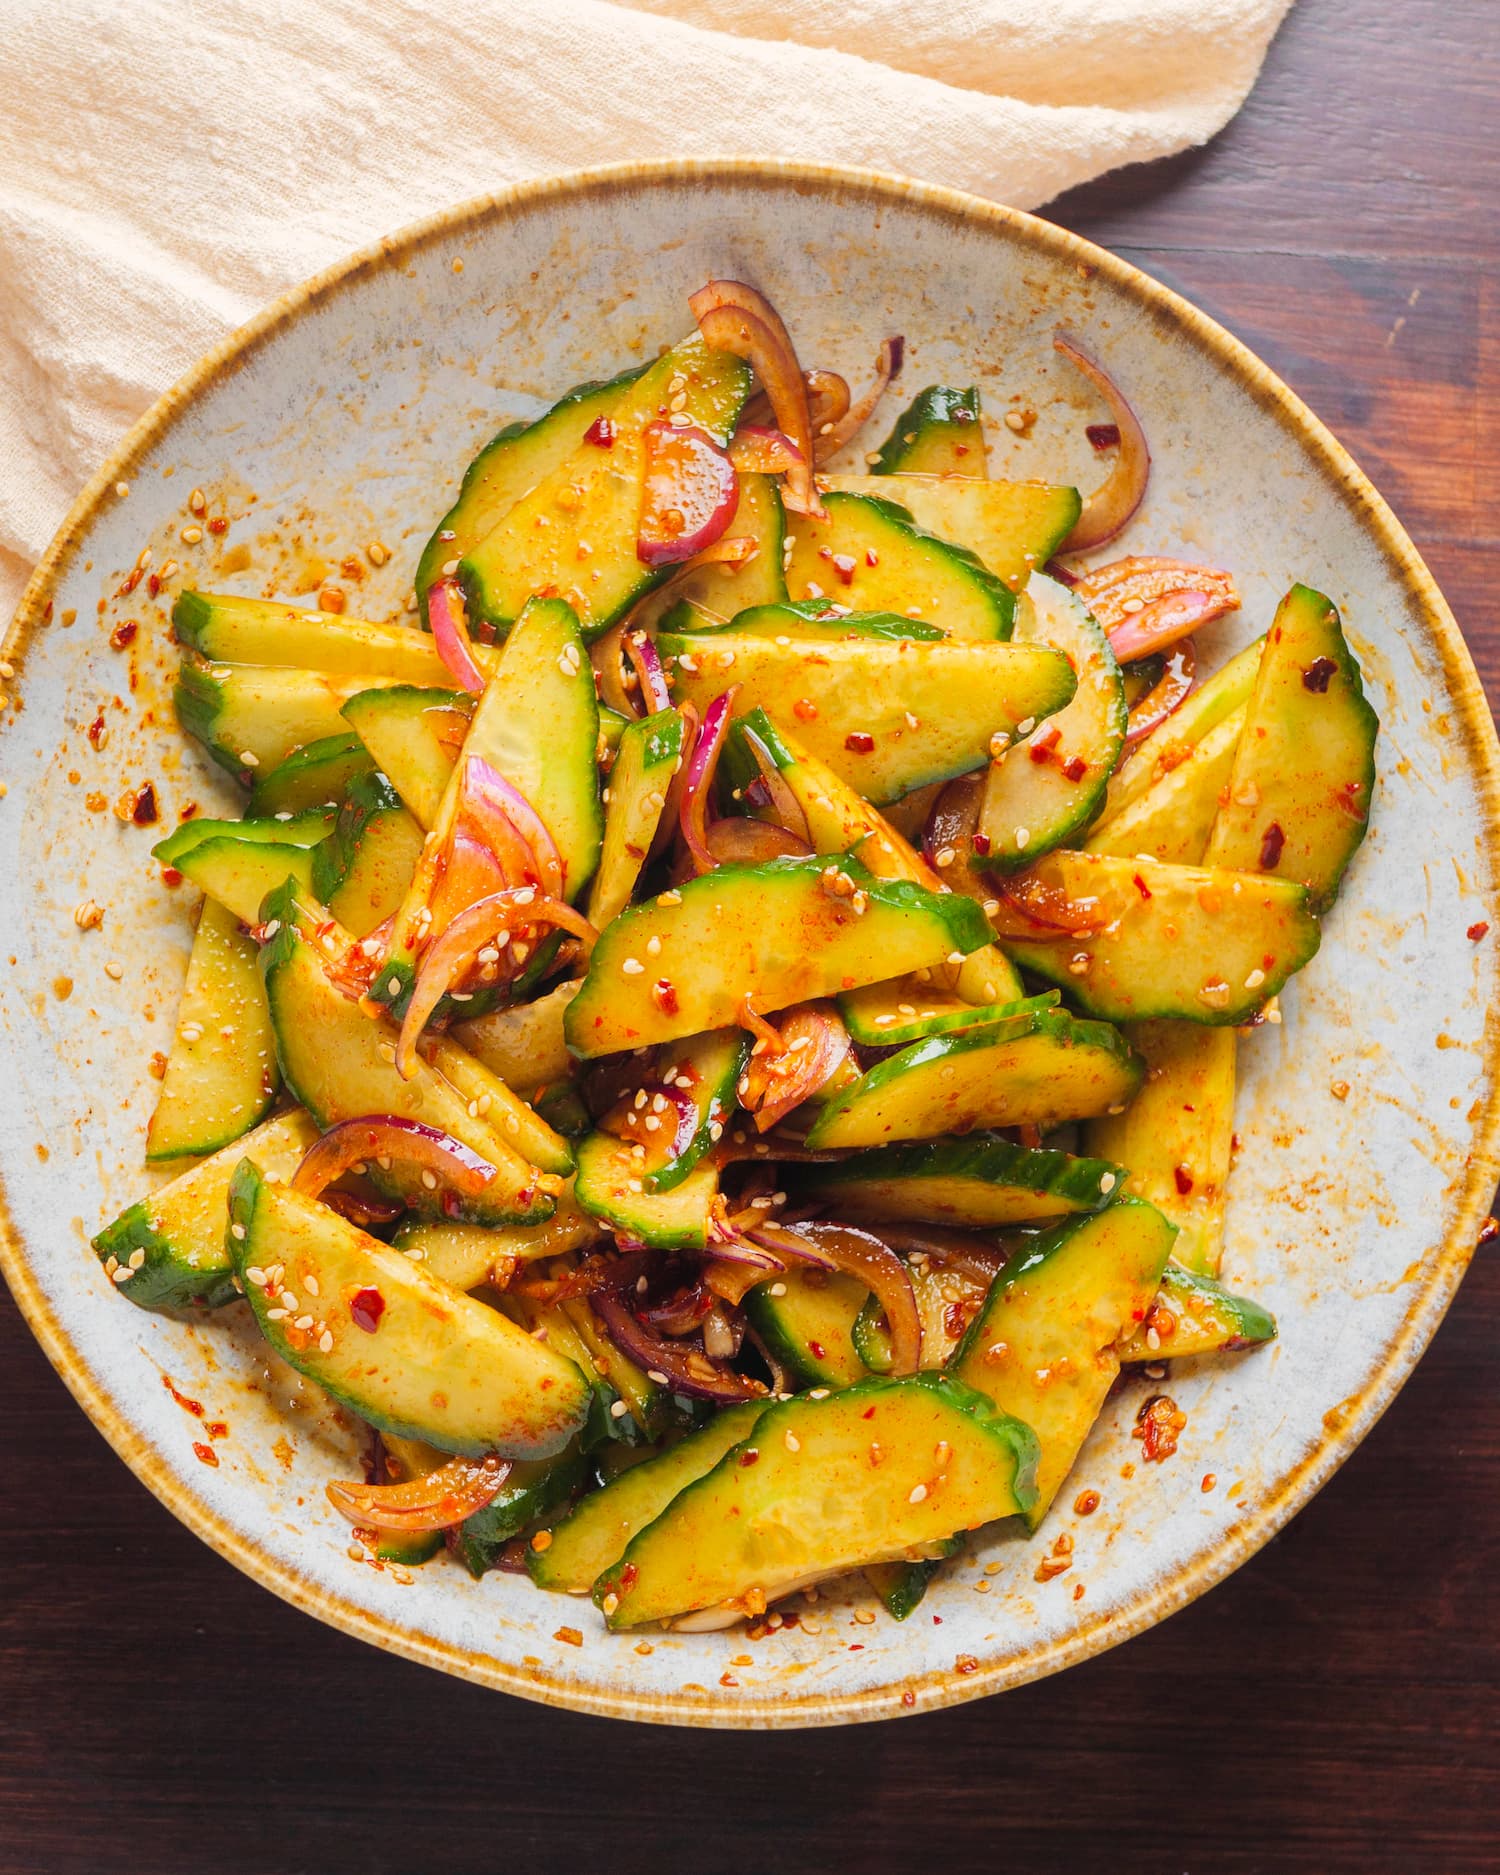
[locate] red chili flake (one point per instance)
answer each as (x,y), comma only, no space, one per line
(1272,841)
(1158,1426)
(751,1457)
(868,1413)
(145,812)
(860,741)
(1318,674)
(1183,1179)
(817,1350)
(805,710)
(601,433)
(123,634)
(757,793)
(1076,768)
(195,1407)
(217,1428)
(627,1578)
(871,557)
(206,1453)
(1041,746)
(187,810)
(908,1698)
(843,565)
(1086,1503)
(981,844)
(966,1663)
(1103,435)
(171,878)
(97,730)
(956,1318)
(366,1308)
(1141,885)
(1476,931)
(218,525)
(1489,1230)
(664,995)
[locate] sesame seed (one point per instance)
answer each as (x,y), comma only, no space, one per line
(114,971)
(387,1051)
(122,489)
(1255,979)
(1108,1182)
(653,946)
(946,855)
(955,957)
(634,1185)
(88,915)
(917,1493)
(325,1341)
(792,1442)
(632,967)
(191,536)
(618,1409)
(429,1179)
(1025,727)
(237,1232)
(659,1378)
(303,1322)
(778,1289)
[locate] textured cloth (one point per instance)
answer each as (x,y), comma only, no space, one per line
(166,166)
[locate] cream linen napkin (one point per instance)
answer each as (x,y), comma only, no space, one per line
(166,166)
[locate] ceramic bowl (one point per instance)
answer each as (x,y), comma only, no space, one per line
(344,416)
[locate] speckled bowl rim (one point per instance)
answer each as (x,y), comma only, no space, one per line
(931,1691)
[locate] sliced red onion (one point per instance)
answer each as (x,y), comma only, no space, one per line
(1037,912)
(1112,504)
(484,783)
(957,1249)
(830,436)
(828,397)
(784,804)
(736,318)
(1171,690)
(950,827)
(859,1254)
(731,550)
(465,871)
(435,1502)
(750,1018)
(450,632)
(626,1120)
(390,1136)
(666,827)
(735,841)
(701,767)
(689,493)
(686,1369)
(814,1044)
(361,1209)
(757,449)
(607,655)
(1146,603)
(641,651)
(679,1313)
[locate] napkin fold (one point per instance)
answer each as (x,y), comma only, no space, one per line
(167,166)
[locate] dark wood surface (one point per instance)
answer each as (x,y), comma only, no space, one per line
(1335,1706)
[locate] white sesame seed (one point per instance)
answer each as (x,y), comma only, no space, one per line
(793,1443)
(1255,979)
(237,1232)
(654,1374)
(618,1410)
(653,946)
(276,1315)
(632,967)
(137,1258)
(917,1493)
(325,1341)
(1025,727)
(1023,837)
(249,759)
(429,1179)
(778,1289)
(1108,1182)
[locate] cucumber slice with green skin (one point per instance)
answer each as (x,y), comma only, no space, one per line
(230,630)
(811,1505)
(901,1586)
(593,1536)
(873,555)
(363,870)
(940,433)
(524,1043)
(891,1014)
(806,1319)
(315,776)
(1039,795)
(534,1490)
(547,1323)
(509,466)
(1185,941)
(1194,1314)
(947,1299)
(178,1232)
(433,1366)
(1174,818)
(779,933)
(707,1069)
(978,1183)
(610,1185)
(886,715)
(340,1063)
(1045,1344)
(817,620)
(240,874)
(648,1404)
(250,717)
(221,1074)
(467,1255)
(721,589)
(594,495)
(1012,527)
(1034,1070)
(414,736)
(1177,1135)
(649,755)
(309,829)
(537,725)
(1166,748)
(839,818)
(1304,771)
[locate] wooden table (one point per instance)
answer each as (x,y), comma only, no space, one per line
(1336,1705)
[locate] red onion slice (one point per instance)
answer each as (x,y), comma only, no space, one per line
(467,871)
(485,787)
(390,1136)
(759,450)
(1035,912)
(607,655)
(671,812)
(828,397)
(436,1502)
(736,318)
(689,493)
(859,1254)
(1146,603)
(627,1120)
(814,1044)
(1171,690)
(641,652)
(974,1258)
(783,804)
(831,434)
(740,842)
(450,632)
(682,1367)
(701,767)
(1111,505)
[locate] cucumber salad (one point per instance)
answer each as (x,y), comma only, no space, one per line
(715,1038)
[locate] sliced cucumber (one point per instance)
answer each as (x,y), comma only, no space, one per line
(812,1505)
(885,716)
(1304,771)
(948,1298)
(594,1535)
(610,1185)
(1013,527)
(1034,1070)
(594,497)
(979,1183)
(707,1069)
(648,1402)
(779,933)
(817,621)
(523,1044)
(410,1355)
(305,829)
(1194,1314)
(1177,1135)
(221,1074)
(902,1586)
(467,1255)
(535,1489)
(649,755)
(723,588)
(178,1232)
(901,1010)
(1040,793)
(1045,1342)
(872,555)
(364,868)
(1221,695)
(315,776)
(550,1324)
(250,717)
(239,874)
(230,630)
(1186,941)
(509,466)
(1174,818)
(941,432)
(340,1063)
(414,736)
(806,1319)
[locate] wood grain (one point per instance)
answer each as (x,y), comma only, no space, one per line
(1335,1706)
